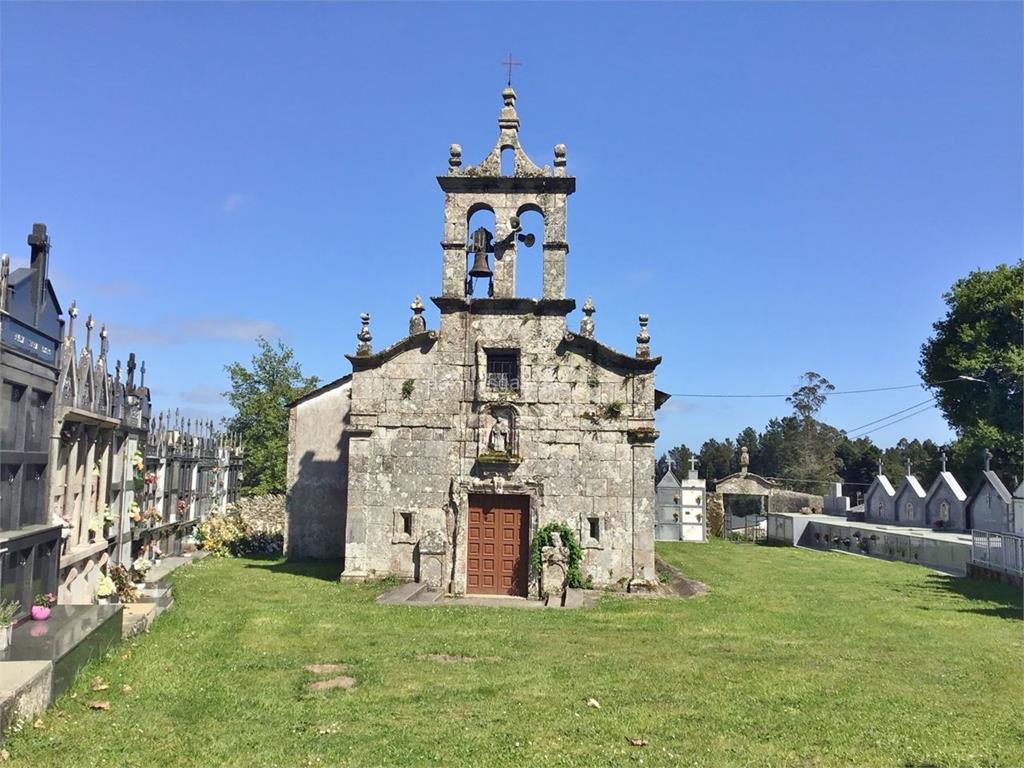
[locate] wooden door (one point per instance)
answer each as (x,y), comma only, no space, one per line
(496,562)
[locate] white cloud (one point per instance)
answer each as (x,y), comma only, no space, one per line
(236,201)
(676,406)
(231,328)
(203,396)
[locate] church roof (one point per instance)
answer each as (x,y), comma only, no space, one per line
(947,479)
(321,390)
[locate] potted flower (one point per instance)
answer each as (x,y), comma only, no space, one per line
(156,552)
(8,610)
(41,606)
(94,527)
(108,522)
(105,589)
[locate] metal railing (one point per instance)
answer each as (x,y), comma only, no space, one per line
(999,551)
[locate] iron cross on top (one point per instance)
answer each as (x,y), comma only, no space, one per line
(511,63)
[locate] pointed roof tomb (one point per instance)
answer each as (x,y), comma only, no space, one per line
(878,501)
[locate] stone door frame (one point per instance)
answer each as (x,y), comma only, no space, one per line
(494,486)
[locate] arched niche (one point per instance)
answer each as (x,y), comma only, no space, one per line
(530,258)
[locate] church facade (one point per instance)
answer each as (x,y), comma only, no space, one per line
(439,457)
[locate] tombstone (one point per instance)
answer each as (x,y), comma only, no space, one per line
(991,505)
(908,504)
(835,503)
(432,550)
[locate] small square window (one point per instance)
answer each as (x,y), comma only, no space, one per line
(595,528)
(503,370)
(406,523)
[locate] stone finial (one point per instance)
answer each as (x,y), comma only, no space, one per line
(454,156)
(909,466)
(89,325)
(587,322)
(5,269)
(744,460)
(943,456)
(879,467)
(416,323)
(142,374)
(988,460)
(72,314)
(508,119)
(363,348)
(559,155)
(643,339)
(103,342)
(117,371)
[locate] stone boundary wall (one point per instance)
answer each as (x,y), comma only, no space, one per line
(264,513)
(794,501)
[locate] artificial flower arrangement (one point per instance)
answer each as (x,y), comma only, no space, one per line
(105,586)
(133,512)
(140,567)
(139,461)
(108,516)
(155,551)
(181,505)
(149,478)
(122,579)
(45,600)
(152,514)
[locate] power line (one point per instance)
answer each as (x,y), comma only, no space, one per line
(897,413)
(895,421)
(828,394)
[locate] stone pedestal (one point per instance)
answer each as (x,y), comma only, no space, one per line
(432,560)
(554,567)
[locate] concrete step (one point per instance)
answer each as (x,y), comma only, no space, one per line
(70,638)
(24,691)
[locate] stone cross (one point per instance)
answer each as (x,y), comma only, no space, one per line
(988,459)
(117,371)
(142,374)
(908,468)
(587,322)
(693,463)
(943,461)
(416,323)
(879,467)
(643,339)
(363,348)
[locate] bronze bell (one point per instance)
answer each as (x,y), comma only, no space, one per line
(481,245)
(480,268)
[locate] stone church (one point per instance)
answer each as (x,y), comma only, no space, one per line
(439,457)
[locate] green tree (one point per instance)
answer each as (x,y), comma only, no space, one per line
(858,465)
(811,462)
(260,395)
(980,337)
(719,459)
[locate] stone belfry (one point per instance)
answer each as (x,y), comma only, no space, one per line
(469,189)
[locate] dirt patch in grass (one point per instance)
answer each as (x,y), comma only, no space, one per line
(342,681)
(672,582)
(325,669)
(444,658)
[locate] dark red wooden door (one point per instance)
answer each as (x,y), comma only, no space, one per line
(496,562)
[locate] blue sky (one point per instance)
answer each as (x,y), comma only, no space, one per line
(782,187)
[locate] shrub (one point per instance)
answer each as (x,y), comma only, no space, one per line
(229,535)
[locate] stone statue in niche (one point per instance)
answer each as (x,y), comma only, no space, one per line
(500,439)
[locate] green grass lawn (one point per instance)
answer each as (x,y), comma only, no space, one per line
(795,658)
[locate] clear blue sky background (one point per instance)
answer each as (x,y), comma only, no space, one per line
(782,187)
